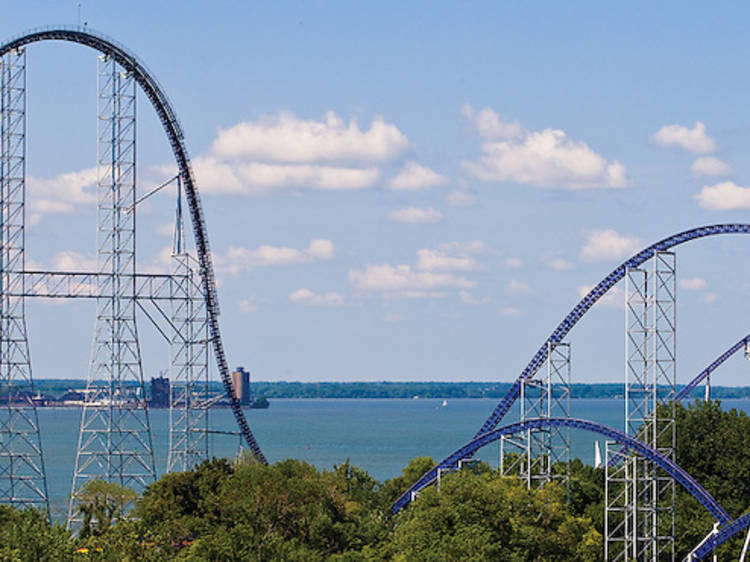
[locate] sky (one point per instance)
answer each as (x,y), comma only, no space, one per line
(408,191)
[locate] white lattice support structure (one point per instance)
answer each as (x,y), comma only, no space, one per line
(188,397)
(115,441)
(639,498)
(22,475)
(534,453)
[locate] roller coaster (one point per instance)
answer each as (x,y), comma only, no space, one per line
(115,438)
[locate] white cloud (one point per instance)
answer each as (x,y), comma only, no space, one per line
(306,296)
(165,229)
(711,298)
(614,298)
(247,306)
(469,299)
(414,176)
(457,256)
(255,178)
(557,262)
(286,138)
(73,261)
(512,263)
(460,198)
(404,279)
(725,196)
(510,312)
(489,125)
(239,259)
(545,158)
(515,287)
(61,194)
(415,215)
(710,166)
(608,245)
(693,283)
(693,140)
(549,159)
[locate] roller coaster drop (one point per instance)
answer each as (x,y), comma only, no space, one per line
(115,436)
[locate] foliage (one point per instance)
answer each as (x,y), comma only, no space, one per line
(101,504)
(26,535)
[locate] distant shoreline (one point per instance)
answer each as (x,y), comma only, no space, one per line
(406,390)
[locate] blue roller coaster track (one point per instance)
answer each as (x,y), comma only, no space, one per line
(634,445)
(567,324)
(711,368)
(155,93)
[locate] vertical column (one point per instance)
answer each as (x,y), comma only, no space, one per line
(664,368)
(115,436)
(541,455)
(639,497)
(22,476)
(188,402)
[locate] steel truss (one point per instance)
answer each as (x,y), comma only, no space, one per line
(114,441)
(188,399)
(540,455)
(22,476)
(639,497)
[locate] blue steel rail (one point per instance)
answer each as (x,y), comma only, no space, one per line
(724,533)
(155,93)
(711,368)
(679,475)
(577,313)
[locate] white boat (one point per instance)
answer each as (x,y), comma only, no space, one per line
(445,403)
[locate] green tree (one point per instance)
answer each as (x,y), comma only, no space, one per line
(26,535)
(101,504)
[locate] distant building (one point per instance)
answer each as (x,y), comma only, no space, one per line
(241,385)
(159,392)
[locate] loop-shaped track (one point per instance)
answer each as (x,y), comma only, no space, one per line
(156,95)
(679,475)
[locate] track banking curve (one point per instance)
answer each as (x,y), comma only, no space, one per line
(680,476)
(711,368)
(572,319)
(155,93)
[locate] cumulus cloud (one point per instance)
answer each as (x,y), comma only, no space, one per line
(415,215)
(489,125)
(693,283)
(306,296)
(510,312)
(61,194)
(710,298)
(556,262)
(238,259)
(549,159)
(460,198)
(710,166)
(614,298)
(247,306)
(255,178)
(286,138)
(414,176)
(512,263)
(725,196)
(404,279)
(693,140)
(608,245)
(73,261)
(516,287)
(455,256)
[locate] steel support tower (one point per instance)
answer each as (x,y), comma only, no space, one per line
(22,476)
(114,442)
(639,497)
(539,456)
(188,399)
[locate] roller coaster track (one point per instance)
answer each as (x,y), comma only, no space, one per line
(155,93)
(634,445)
(567,324)
(711,368)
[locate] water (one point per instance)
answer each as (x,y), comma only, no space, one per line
(380,436)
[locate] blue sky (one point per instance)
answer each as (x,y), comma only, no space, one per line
(410,192)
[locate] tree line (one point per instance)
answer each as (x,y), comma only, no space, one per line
(241,510)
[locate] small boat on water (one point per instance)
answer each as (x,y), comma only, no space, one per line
(445,403)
